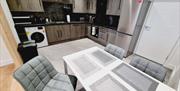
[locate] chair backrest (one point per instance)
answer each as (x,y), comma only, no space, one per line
(115,50)
(35,74)
(151,68)
(139,62)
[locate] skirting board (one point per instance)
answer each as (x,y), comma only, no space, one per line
(6,62)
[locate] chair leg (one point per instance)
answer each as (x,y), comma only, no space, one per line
(73,80)
(65,68)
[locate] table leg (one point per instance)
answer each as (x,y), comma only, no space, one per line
(65,68)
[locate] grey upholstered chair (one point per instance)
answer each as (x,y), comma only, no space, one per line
(115,50)
(139,62)
(38,74)
(151,68)
(156,70)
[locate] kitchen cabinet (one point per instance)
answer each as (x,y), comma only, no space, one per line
(57,33)
(103,34)
(59,1)
(64,31)
(113,7)
(80,6)
(51,32)
(77,31)
(111,36)
(123,41)
(91,6)
(25,5)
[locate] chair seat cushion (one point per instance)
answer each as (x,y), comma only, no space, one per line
(60,82)
(139,63)
(156,70)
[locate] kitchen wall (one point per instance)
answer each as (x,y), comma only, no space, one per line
(5,57)
(9,18)
(174,58)
(174,62)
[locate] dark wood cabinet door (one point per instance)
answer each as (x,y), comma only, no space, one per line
(83,30)
(75,31)
(25,5)
(66,29)
(52,34)
(65,32)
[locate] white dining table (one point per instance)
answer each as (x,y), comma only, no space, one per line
(97,70)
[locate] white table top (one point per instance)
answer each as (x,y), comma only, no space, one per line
(90,70)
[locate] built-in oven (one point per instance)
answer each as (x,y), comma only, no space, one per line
(112,21)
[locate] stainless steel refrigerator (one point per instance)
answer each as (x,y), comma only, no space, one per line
(132,16)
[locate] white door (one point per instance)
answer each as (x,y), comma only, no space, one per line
(160,32)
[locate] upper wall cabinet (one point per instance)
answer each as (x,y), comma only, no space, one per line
(84,6)
(91,6)
(26,5)
(80,6)
(113,7)
(59,1)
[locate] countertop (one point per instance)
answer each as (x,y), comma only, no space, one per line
(52,23)
(62,23)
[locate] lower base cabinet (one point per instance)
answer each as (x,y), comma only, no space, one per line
(103,35)
(58,33)
(77,31)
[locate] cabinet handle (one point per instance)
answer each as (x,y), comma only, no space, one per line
(107,4)
(61,33)
(87,5)
(58,34)
(40,4)
(73,3)
(18,2)
(119,7)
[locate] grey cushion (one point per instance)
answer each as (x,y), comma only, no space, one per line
(38,74)
(156,70)
(139,63)
(115,50)
(59,82)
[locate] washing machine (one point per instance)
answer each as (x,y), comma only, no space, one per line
(38,34)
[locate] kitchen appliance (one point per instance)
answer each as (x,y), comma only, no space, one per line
(68,18)
(131,15)
(22,19)
(95,31)
(112,21)
(38,34)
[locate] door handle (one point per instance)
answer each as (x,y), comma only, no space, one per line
(147,27)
